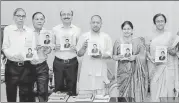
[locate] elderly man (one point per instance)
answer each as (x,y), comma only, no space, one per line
(93,74)
(65,65)
(40,64)
(19,72)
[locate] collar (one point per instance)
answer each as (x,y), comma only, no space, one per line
(95,33)
(71,26)
(14,27)
(40,30)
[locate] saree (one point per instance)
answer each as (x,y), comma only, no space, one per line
(162,76)
(132,76)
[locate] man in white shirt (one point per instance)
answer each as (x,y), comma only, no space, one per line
(65,64)
(40,64)
(93,72)
(19,72)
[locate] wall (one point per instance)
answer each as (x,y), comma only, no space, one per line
(113,14)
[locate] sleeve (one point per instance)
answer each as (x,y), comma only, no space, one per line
(78,34)
(34,43)
(116,48)
(108,49)
(53,38)
(6,43)
(80,42)
(141,47)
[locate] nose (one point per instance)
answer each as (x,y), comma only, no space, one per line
(21,18)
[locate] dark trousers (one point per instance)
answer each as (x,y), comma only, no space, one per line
(65,69)
(21,76)
(42,78)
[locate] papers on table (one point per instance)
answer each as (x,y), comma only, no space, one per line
(101,98)
(85,97)
(58,97)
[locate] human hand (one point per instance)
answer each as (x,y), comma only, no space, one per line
(97,56)
(57,47)
(34,61)
(73,48)
(132,57)
(85,44)
(18,57)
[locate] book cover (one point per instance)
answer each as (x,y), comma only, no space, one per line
(46,38)
(93,48)
(85,97)
(101,98)
(66,42)
(126,50)
(161,54)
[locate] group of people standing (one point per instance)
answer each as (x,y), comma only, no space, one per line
(134,74)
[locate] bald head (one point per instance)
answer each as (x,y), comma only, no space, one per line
(96,23)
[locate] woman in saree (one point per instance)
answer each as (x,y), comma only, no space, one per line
(163,77)
(131,72)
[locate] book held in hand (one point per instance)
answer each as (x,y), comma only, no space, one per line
(66,42)
(161,54)
(93,48)
(46,38)
(30,53)
(126,50)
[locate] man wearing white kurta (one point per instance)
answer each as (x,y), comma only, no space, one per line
(93,74)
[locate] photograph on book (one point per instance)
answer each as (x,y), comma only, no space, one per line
(93,48)
(126,50)
(161,54)
(46,39)
(66,42)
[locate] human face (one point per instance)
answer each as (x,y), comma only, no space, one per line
(160,23)
(38,21)
(30,51)
(19,17)
(163,54)
(94,46)
(67,41)
(127,30)
(47,37)
(96,24)
(66,16)
(128,51)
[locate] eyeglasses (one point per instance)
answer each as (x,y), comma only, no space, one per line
(20,16)
(68,14)
(160,21)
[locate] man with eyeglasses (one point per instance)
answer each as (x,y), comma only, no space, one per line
(19,72)
(65,65)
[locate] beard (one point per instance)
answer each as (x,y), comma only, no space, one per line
(96,29)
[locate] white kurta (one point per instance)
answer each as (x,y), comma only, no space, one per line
(93,72)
